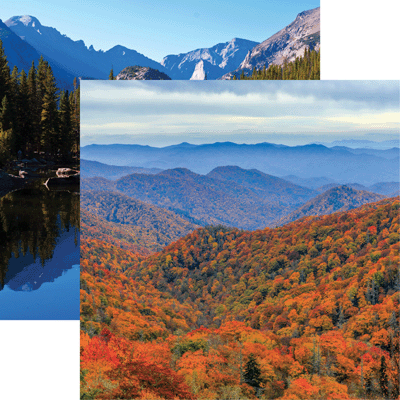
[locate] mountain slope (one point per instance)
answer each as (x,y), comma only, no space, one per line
(208,200)
(90,169)
(151,227)
(340,198)
(312,304)
(213,62)
(267,186)
(285,45)
(307,161)
(21,54)
(74,55)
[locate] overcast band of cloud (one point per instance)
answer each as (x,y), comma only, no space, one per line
(166,112)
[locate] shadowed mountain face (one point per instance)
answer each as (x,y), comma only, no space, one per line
(228,196)
(91,169)
(21,54)
(341,198)
(74,55)
(309,161)
(269,187)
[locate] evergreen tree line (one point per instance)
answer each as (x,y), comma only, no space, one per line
(36,117)
(303,68)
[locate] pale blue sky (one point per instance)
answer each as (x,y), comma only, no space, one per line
(160,113)
(157,28)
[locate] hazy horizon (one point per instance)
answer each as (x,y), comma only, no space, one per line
(368,138)
(162,113)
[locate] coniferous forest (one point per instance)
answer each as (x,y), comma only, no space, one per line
(37,119)
(303,68)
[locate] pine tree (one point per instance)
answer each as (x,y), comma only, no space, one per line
(111,76)
(25,126)
(14,95)
(49,114)
(4,73)
(66,141)
(74,100)
(34,111)
(252,372)
(6,115)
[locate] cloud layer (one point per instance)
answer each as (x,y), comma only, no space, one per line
(168,112)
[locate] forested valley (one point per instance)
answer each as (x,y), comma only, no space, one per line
(308,310)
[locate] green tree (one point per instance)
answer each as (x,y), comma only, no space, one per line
(252,372)
(111,76)
(4,73)
(33,111)
(49,114)
(65,142)
(74,100)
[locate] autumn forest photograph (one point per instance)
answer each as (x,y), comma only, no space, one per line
(239,242)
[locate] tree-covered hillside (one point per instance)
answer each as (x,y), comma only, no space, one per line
(305,311)
(303,68)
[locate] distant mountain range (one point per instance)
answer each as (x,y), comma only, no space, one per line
(364,144)
(229,195)
(91,169)
(200,198)
(337,165)
(213,62)
(75,59)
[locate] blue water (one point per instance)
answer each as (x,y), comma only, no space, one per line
(44,292)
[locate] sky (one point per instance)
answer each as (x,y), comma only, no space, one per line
(157,28)
(161,113)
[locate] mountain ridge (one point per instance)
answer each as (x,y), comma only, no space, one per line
(308,161)
(75,56)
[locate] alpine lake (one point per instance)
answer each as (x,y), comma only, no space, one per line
(39,249)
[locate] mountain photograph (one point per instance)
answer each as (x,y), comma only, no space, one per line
(281,40)
(260,267)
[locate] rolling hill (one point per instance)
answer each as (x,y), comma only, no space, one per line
(90,169)
(137,226)
(339,198)
(311,306)
(308,161)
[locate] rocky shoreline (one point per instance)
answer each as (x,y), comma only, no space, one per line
(8,183)
(29,170)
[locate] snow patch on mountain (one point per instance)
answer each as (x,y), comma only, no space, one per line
(198,74)
(214,61)
(285,45)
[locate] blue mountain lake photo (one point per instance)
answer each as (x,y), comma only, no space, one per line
(39,253)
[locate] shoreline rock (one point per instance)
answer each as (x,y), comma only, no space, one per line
(8,183)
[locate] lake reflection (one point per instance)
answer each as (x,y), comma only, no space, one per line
(39,253)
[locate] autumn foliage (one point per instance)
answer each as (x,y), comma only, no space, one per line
(311,307)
